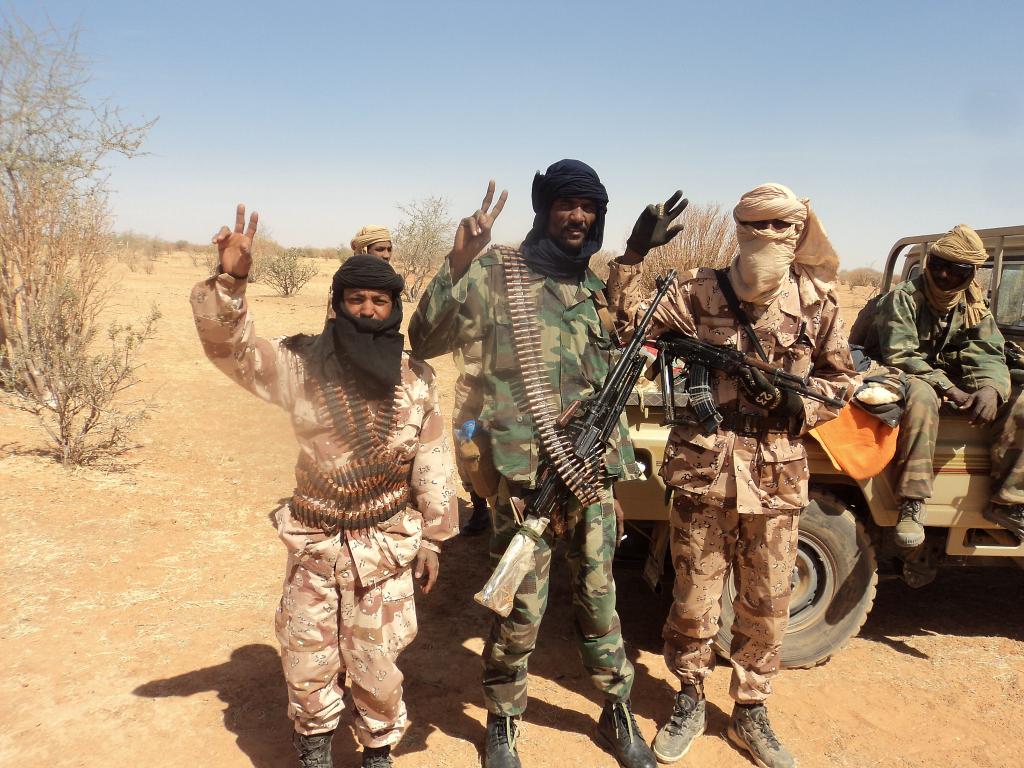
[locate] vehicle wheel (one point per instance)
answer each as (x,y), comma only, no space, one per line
(833,585)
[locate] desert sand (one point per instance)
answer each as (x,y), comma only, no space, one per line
(138,627)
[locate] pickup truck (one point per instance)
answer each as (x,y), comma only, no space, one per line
(844,541)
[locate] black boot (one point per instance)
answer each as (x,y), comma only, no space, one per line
(1010,516)
(617,726)
(377,757)
(500,751)
(314,751)
(480,519)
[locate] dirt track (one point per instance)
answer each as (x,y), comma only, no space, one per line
(138,627)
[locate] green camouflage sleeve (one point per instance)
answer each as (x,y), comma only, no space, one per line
(898,342)
(448,315)
(229,340)
(983,360)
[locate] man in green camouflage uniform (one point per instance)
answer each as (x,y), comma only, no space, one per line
(937,328)
(467,301)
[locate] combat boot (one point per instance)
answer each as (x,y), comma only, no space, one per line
(500,751)
(909,531)
(750,730)
(688,721)
(377,757)
(315,750)
(1010,516)
(617,726)
(480,520)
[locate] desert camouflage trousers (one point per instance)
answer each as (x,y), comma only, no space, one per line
(330,627)
(919,429)
(706,540)
(591,546)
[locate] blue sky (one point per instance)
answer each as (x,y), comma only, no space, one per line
(895,118)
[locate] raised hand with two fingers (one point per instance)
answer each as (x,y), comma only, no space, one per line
(235,247)
(474,232)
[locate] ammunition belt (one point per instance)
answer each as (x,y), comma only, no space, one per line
(360,494)
(754,424)
(582,476)
(373,485)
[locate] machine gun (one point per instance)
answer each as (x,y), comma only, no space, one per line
(589,423)
(700,358)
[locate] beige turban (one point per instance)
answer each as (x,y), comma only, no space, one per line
(759,270)
(960,245)
(369,235)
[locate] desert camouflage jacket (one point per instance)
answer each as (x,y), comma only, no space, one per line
(761,475)
(281,374)
(908,334)
(577,350)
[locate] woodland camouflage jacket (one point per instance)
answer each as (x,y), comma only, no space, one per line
(908,334)
(577,349)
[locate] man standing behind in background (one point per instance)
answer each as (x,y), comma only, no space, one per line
(373,240)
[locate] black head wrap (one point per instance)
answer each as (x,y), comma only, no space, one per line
(371,348)
(566,178)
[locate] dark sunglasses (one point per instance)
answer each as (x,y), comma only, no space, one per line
(952,268)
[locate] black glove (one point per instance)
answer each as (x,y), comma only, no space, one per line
(790,404)
(653,228)
(982,405)
(760,391)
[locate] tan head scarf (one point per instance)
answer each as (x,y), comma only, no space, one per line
(759,269)
(960,245)
(369,235)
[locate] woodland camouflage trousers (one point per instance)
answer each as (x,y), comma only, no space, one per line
(919,429)
(591,547)
(761,548)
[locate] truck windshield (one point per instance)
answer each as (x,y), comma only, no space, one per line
(1010,310)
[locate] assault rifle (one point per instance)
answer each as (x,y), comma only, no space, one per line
(589,423)
(700,358)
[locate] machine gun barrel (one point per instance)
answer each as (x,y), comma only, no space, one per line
(602,413)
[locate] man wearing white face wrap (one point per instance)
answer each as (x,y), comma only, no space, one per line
(776,229)
(738,492)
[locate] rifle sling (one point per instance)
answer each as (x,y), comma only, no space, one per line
(734,306)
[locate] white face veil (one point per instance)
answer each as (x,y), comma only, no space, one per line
(758,272)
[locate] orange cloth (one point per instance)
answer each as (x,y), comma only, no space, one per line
(857,443)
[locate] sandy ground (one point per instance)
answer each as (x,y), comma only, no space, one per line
(139,606)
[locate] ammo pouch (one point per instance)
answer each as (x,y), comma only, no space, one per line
(755,424)
(478,463)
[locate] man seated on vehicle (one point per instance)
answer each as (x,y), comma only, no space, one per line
(938,329)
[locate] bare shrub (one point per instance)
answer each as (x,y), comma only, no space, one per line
(421,242)
(861,277)
(286,271)
(56,245)
(708,239)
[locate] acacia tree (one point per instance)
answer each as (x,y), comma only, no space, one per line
(421,241)
(56,244)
